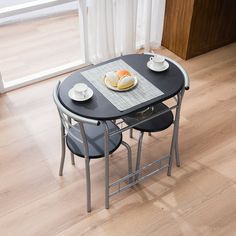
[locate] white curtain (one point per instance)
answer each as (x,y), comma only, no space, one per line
(116,27)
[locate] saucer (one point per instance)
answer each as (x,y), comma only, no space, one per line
(74,97)
(162,68)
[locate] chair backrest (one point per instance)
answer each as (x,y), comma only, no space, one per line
(66,117)
(185,74)
(67,112)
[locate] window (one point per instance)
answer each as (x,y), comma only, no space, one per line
(38,39)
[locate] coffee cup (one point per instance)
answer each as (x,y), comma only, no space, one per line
(157,60)
(80,90)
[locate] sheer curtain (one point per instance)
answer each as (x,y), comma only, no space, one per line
(116,27)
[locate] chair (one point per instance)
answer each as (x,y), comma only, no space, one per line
(156,124)
(160,123)
(85,138)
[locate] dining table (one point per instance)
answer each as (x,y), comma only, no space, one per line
(105,104)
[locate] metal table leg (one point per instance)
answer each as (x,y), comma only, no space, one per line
(87,167)
(174,150)
(106,157)
(140,140)
(131,133)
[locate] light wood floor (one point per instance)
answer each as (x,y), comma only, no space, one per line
(199,198)
(31,46)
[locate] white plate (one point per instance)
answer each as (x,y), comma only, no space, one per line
(107,83)
(164,67)
(72,95)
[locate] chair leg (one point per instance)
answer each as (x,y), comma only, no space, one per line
(129,160)
(63,150)
(71,154)
(72,158)
(149,134)
(131,133)
(174,142)
(139,154)
(88,184)
(177,150)
(171,154)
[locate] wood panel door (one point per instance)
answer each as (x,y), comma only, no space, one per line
(193,27)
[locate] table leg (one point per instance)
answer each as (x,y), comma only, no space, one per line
(106,157)
(177,135)
(174,142)
(131,133)
(88,184)
(140,140)
(87,167)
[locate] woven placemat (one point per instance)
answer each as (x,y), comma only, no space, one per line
(143,92)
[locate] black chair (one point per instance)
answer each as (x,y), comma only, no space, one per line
(159,123)
(85,138)
(156,124)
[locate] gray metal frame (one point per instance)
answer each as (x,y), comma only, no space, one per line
(174,149)
(66,118)
(133,177)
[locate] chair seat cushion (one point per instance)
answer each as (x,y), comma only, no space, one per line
(156,124)
(95,138)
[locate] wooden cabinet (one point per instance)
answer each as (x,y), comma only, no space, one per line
(193,27)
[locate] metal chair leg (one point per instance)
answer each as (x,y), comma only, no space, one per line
(171,152)
(88,184)
(131,133)
(129,160)
(72,158)
(139,154)
(71,154)
(63,150)
(177,149)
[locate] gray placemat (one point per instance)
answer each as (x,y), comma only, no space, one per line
(143,92)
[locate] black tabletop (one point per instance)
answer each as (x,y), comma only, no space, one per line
(170,82)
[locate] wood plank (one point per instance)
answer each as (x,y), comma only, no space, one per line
(199,198)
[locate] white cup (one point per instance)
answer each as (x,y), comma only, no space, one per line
(157,60)
(80,90)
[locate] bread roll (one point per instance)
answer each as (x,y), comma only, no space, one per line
(122,73)
(125,82)
(113,78)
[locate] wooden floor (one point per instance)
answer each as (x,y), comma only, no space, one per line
(199,198)
(28,47)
